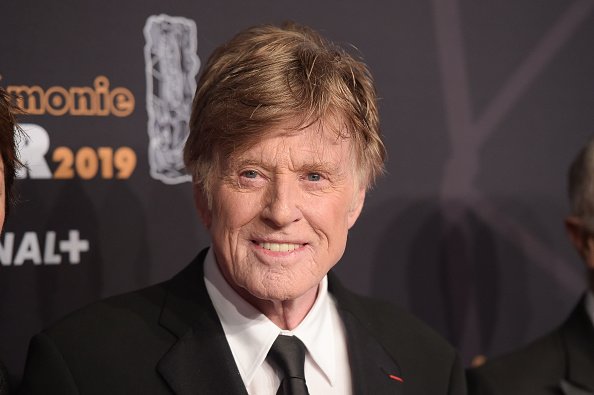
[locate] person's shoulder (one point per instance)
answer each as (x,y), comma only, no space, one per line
(539,364)
(533,357)
(111,315)
(429,362)
(87,350)
(138,308)
(395,326)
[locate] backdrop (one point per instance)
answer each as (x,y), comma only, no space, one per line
(483,106)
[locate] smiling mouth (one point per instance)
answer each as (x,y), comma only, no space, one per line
(280,247)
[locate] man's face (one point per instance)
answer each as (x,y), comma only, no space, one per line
(281,213)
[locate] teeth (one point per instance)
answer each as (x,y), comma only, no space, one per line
(280,247)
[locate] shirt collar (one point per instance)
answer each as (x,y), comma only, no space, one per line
(250,333)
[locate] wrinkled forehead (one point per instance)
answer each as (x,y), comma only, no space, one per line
(318,139)
(306,146)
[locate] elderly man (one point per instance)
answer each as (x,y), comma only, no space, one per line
(284,142)
(561,362)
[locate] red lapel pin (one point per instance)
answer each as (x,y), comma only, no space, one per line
(396,378)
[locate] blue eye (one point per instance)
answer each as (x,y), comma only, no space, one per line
(250,174)
(313,177)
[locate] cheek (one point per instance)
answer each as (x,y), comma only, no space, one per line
(232,216)
(332,221)
(235,212)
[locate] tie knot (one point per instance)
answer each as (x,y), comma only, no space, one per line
(288,353)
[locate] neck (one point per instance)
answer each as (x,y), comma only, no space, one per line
(286,314)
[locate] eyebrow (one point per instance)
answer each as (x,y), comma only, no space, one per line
(325,167)
(322,166)
(235,164)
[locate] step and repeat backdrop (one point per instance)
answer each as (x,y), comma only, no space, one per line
(483,107)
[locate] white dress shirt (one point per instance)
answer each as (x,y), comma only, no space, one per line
(250,335)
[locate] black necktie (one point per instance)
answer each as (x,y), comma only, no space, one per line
(288,353)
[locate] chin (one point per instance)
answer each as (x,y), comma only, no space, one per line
(276,292)
(273,294)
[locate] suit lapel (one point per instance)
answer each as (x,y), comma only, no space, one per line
(200,362)
(373,369)
(578,337)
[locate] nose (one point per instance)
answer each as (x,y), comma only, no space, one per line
(282,202)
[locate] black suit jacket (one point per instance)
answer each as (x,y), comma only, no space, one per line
(4,385)
(167,339)
(559,363)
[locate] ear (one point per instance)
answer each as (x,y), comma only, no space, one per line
(356,206)
(582,240)
(201,202)
(589,256)
(573,226)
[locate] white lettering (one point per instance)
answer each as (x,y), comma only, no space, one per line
(49,252)
(29,249)
(32,151)
(74,246)
(6,249)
